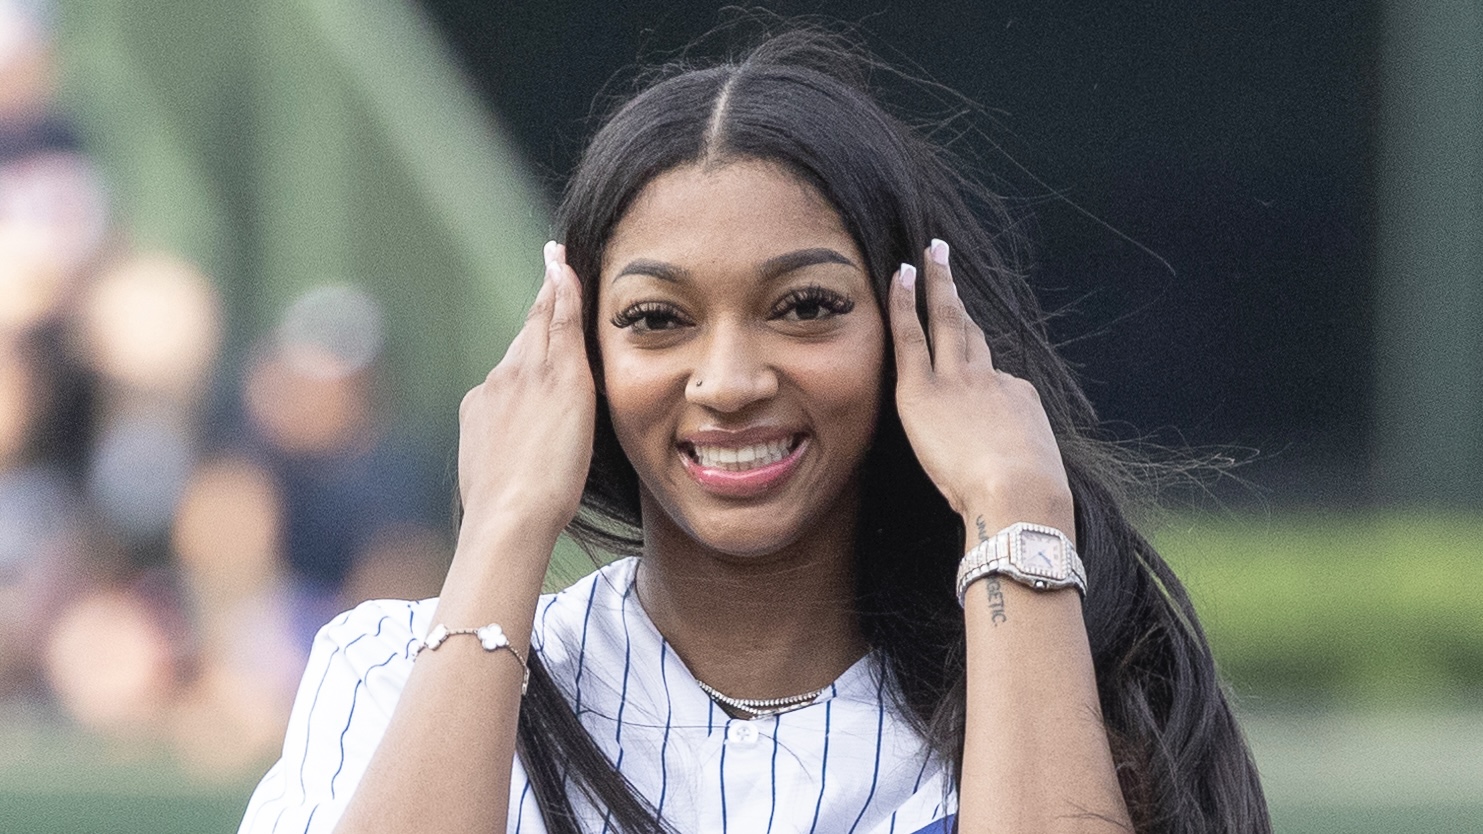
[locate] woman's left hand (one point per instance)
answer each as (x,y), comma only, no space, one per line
(981,434)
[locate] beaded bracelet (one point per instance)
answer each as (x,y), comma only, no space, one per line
(491,637)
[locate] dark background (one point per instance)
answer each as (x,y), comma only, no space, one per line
(1197,177)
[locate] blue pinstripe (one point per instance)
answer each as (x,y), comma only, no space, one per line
(669,713)
(520,808)
(350,717)
(623,697)
(354,697)
(582,651)
(880,731)
(542,630)
(777,723)
(303,789)
(926,757)
(723,787)
(824,760)
(627,665)
(356,694)
(581,661)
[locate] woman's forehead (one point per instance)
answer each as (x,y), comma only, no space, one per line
(746,209)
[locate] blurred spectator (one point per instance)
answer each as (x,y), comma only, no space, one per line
(148,327)
(41,527)
(111,662)
(53,200)
(228,539)
(358,501)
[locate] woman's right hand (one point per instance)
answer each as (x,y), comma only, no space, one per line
(525,441)
(525,432)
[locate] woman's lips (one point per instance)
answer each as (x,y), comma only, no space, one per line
(743,470)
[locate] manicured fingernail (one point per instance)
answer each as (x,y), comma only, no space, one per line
(908,276)
(553,271)
(938,250)
(549,252)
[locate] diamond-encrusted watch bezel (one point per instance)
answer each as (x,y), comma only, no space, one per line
(1020,553)
(1005,553)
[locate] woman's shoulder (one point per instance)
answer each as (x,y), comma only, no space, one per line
(401,624)
(566,614)
(393,623)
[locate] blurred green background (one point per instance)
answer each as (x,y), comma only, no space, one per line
(286,144)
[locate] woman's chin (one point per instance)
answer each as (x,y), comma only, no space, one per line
(737,536)
(759,534)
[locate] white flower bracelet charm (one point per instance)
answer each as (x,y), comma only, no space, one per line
(491,637)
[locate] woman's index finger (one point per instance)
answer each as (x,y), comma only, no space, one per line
(565,329)
(913,358)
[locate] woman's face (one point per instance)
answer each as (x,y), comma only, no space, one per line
(742,351)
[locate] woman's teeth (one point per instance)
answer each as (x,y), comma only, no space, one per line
(742,458)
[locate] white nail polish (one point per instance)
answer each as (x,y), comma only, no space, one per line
(908,276)
(938,250)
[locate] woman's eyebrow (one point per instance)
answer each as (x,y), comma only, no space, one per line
(783,264)
(655,269)
(773,267)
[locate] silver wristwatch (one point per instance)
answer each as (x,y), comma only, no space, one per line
(1031,554)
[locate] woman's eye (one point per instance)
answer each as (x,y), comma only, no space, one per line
(645,318)
(812,304)
(808,310)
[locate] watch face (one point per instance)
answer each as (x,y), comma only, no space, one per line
(1041,554)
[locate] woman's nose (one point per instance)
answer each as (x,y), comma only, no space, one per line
(731,372)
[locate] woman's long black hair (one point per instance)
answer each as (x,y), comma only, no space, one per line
(801,100)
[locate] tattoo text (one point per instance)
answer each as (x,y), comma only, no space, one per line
(996,601)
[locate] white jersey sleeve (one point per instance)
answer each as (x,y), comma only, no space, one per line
(357,668)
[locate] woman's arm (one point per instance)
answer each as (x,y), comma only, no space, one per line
(524,446)
(1036,756)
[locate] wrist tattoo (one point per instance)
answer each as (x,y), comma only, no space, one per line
(983,529)
(996,601)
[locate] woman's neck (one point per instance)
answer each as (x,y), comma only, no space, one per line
(755,627)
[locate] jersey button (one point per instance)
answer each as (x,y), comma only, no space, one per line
(741,732)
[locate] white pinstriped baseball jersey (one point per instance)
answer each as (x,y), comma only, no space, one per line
(846,763)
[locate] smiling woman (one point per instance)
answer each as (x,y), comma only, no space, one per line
(733,378)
